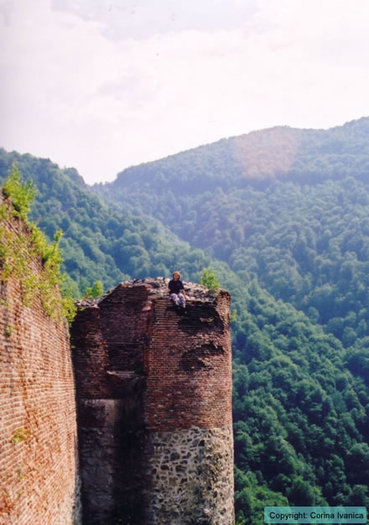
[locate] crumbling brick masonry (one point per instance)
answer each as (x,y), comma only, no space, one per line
(154,407)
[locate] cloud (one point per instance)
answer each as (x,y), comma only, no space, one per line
(142,19)
(99,91)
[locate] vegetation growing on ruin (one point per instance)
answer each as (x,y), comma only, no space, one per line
(96,290)
(19,435)
(18,249)
(209,279)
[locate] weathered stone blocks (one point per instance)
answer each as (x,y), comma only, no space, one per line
(191,475)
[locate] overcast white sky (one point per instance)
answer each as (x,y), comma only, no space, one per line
(104,84)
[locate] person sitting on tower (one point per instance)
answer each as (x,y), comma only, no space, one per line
(176,290)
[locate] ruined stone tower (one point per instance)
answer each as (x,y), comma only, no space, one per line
(154,407)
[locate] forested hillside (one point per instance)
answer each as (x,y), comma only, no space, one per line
(283,217)
(99,243)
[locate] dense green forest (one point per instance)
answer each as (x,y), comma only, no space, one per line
(282,216)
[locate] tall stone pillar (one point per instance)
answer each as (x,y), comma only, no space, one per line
(154,400)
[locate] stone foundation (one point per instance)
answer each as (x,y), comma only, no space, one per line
(190,475)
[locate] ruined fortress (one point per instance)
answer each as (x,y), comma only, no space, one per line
(126,422)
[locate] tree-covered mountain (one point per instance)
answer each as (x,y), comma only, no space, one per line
(279,153)
(283,217)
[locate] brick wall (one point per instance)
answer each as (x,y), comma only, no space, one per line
(38,416)
(108,342)
(189,366)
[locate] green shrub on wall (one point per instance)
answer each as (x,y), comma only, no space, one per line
(209,279)
(18,249)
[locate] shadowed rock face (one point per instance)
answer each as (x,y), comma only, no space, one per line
(154,406)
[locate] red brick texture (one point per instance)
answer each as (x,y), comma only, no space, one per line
(38,449)
(109,341)
(188,367)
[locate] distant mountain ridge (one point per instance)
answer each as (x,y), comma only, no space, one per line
(274,153)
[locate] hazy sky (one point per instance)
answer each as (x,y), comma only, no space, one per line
(104,84)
